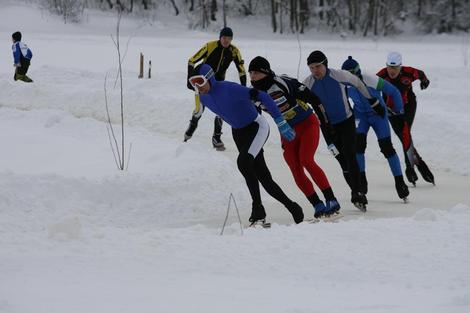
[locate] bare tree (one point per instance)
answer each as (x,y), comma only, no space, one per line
(117,149)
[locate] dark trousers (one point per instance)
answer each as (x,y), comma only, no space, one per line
(254,168)
(345,142)
(24,66)
(398,127)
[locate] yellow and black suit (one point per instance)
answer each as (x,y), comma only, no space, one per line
(219,58)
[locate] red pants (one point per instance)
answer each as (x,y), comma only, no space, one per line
(299,155)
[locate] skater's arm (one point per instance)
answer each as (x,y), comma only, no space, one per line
(239,63)
(393,92)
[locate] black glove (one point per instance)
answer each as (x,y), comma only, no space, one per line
(377,107)
(254,94)
(424,84)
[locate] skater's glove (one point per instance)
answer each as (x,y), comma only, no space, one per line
(424,84)
(334,151)
(253,94)
(284,128)
(377,107)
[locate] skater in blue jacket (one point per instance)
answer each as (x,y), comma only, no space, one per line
(21,57)
(330,86)
(233,103)
(369,118)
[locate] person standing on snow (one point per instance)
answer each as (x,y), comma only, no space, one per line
(292,99)
(232,102)
(21,58)
(218,54)
(330,86)
(369,118)
(403,77)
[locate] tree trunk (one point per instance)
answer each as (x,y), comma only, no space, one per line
(273,15)
(213,10)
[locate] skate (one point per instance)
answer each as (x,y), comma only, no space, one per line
(411,175)
(217,143)
(320,209)
(296,211)
(363,183)
(359,200)
(259,224)
(332,206)
(402,188)
(425,172)
(190,131)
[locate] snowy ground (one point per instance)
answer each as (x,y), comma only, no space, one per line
(76,235)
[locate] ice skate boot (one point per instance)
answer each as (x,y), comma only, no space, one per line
(402,188)
(359,200)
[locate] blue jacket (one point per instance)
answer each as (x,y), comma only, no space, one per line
(375,85)
(19,49)
(331,90)
(232,101)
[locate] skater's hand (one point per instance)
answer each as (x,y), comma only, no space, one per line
(424,84)
(253,94)
(377,107)
(284,128)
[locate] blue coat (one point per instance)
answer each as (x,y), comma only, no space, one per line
(19,49)
(232,102)
(375,85)
(331,90)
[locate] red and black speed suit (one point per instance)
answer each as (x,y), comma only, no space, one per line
(402,124)
(293,99)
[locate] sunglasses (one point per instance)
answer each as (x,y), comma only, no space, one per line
(200,80)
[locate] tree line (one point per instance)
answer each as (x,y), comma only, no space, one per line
(364,17)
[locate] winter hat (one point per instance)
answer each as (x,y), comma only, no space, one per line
(260,64)
(394,59)
(226,31)
(16,36)
(317,57)
(352,66)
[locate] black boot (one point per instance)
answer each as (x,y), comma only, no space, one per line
(359,200)
(425,172)
(401,187)
(411,175)
(191,128)
(296,212)
(216,141)
(257,213)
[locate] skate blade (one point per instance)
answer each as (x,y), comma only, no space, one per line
(312,220)
(333,217)
(361,207)
(260,226)
(405,200)
(220,148)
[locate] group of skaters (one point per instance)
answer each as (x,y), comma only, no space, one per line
(301,111)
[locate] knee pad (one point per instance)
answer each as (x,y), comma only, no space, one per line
(386,147)
(361,143)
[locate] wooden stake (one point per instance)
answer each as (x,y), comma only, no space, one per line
(150,69)
(141,70)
